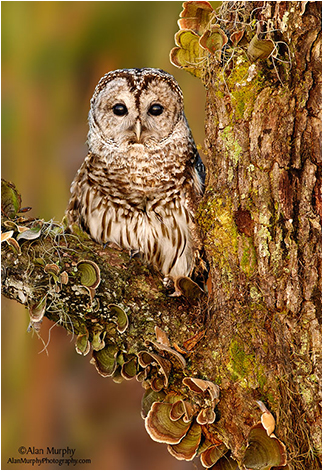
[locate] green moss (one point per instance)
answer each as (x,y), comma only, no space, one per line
(270,397)
(306,393)
(241,363)
(255,294)
(248,261)
(262,379)
(216,221)
(232,148)
(244,89)
(244,367)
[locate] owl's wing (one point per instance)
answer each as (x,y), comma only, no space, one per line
(199,167)
(197,172)
(200,266)
(79,187)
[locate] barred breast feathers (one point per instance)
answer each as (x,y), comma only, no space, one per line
(141,182)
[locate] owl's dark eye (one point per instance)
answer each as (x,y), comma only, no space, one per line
(156,109)
(120,109)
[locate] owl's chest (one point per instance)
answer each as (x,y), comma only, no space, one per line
(141,177)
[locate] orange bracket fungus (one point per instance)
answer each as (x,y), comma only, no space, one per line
(267,419)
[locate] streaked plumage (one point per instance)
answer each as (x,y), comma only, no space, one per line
(141,181)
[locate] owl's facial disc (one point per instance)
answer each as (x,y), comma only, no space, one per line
(126,115)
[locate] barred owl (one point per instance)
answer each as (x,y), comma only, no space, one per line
(141,181)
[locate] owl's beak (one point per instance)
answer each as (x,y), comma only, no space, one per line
(138,129)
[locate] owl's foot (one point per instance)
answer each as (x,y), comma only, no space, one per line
(184,286)
(171,288)
(134,254)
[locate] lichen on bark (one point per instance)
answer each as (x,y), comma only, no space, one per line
(256,198)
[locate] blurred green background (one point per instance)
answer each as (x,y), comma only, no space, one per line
(53,55)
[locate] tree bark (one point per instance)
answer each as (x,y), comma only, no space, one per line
(261,220)
(261,216)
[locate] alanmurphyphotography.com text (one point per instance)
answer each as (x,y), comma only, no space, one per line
(49,455)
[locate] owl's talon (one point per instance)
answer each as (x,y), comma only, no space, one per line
(134,254)
(168,283)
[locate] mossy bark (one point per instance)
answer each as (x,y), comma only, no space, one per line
(261,219)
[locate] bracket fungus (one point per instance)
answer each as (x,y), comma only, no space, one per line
(89,276)
(190,289)
(183,408)
(196,16)
(213,39)
(260,48)
(187,448)
(129,368)
(264,452)
(164,349)
(52,269)
(267,419)
(98,336)
(11,241)
(159,369)
(82,344)
(178,420)
(30,234)
(63,278)
(206,416)
(162,428)
(105,360)
(201,386)
(37,310)
(148,399)
(212,454)
(122,320)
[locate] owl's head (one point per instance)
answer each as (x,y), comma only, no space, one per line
(135,107)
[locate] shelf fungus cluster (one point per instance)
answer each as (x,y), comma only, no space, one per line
(201,39)
(197,38)
(181,413)
(178,414)
(179,419)
(16,232)
(108,356)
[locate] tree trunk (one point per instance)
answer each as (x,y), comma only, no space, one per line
(261,216)
(261,219)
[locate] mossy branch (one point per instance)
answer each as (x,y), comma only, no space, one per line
(45,275)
